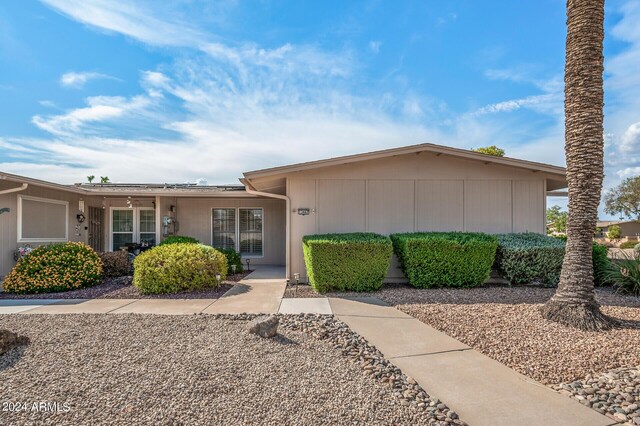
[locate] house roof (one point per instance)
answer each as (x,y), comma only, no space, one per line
(606,223)
(134,189)
(425,147)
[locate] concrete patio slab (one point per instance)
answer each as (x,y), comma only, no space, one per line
(252,297)
(314,305)
(165,306)
(82,306)
(484,392)
(401,337)
(364,306)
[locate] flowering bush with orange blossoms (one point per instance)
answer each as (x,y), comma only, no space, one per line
(54,268)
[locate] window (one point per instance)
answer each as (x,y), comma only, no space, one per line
(132,225)
(224,228)
(250,232)
(239,229)
(42,219)
(148,226)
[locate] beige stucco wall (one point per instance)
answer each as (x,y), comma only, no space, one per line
(630,229)
(9,221)
(194,217)
(414,193)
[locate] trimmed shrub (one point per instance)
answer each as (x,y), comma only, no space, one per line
(445,259)
(172,268)
(624,274)
(178,239)
(523,258)
(233,258)
(116,263)
(636,250)
(347,262)
(54,268)
(628,244)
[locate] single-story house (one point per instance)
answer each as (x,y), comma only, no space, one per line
(629,229)
(422,187)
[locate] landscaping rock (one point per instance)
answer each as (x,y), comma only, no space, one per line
(9,340)
(265,326)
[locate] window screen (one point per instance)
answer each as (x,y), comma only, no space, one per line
(250,232)
(43,220)
(224,228)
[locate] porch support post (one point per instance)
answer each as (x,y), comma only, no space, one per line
(158,220)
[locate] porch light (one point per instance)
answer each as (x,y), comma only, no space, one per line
(81,205)
(248,264)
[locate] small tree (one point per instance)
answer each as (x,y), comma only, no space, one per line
(614,232)
(90,178)
(557,218)
(490,150)
(624,199)
(104,179)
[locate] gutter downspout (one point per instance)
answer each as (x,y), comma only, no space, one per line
(20,188)
(251,190)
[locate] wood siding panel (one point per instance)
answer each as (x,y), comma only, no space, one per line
(488,206)
(440,205)
(341,205)
(391,206)
(528,206)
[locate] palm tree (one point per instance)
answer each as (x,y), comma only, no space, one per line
(90,178)
(104,179)
(574,302)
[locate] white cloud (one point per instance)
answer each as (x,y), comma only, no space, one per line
(547,101)
(630,140)
(134,20)
(374,46)
(79,79)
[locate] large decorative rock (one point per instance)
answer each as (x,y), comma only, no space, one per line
(9,339)
(264,326)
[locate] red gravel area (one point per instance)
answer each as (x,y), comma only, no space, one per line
(121,288)
(504,323)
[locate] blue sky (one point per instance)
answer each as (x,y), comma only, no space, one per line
(183,90)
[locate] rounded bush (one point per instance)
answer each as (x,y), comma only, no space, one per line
(233,258)
(172,268)
(628,244)
(116,263)
(178,239)
(54,268)
(614,232)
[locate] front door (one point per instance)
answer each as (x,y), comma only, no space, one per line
(96,217)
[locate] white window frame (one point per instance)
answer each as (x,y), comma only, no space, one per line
(42,200)
(136,224)
(237,213)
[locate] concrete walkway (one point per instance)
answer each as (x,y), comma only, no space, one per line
(259,292)
(482,391)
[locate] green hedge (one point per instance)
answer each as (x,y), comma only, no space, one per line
(178,239)
(523,258)
(445,259)
(55,267)
(347,262)
(233,258)
(628,244)
(173,268)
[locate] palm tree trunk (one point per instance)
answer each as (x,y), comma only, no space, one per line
(574,302)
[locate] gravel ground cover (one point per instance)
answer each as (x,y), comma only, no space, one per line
(121,288)
(201,369)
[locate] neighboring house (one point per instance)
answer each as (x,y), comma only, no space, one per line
(416,188)
(629,229)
